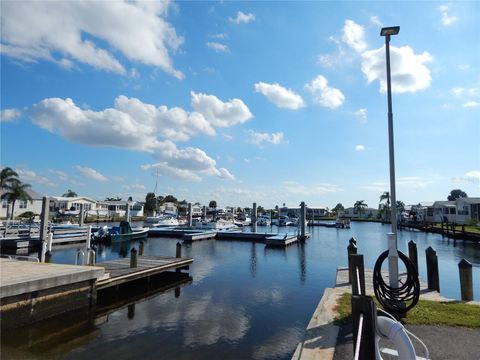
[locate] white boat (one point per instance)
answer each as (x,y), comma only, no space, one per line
(162,220)
(264,220)
(219,224)
(284,221)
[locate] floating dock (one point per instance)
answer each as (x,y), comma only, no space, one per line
(118,271)
(187,234)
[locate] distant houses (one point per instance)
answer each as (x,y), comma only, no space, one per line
(21,206)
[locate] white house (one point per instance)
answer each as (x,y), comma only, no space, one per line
(289,211)
(71,205)
(168,208)
(444,211)
(119,208)
(365,214)
(22,206)
(467,209)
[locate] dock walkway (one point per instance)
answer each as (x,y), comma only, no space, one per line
(119,271)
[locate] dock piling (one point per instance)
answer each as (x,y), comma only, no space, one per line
(178,252)
(133,258)
(190,215)
(466,282)
(358,278)
(254,217)
(432,269)
(48,257)
(82,215)
(351,250)
(141,246)
(302,220)
(412,253)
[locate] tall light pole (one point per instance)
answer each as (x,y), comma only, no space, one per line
(392,237)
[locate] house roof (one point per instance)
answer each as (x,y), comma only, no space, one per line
(471,200)
(71,199)
(444,203)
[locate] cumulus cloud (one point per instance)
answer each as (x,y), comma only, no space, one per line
(323,94)
(375,20)
(359,147)
(218,47)
(134,125)
(9,115)
(280,96)
(90,173)
(469,177)
(471,104)
(362,115)
(265,138)
(447,19)
(69,32)
(30,176)
(242,18)
(408,70)
(320,189)
(354,36)
(219,113)
(134,187)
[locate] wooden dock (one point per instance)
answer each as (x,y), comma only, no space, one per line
(119,271)
(281,240)
(199,235)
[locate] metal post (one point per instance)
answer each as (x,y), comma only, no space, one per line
(254,217)
(466,282)
(393,255)
(50,241)
(43,251)
(44,219)
(190,215)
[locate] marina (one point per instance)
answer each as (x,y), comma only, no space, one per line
(244,283)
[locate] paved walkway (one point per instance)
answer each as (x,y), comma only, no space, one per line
(324,340)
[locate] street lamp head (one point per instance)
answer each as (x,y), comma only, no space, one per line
(392,30)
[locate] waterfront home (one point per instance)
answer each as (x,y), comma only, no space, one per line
(169,208)
(444,211)
(119,208)
(71,205)
(197,210)
(294,212)
(353,213)
(423,211)
(21,206)
(468,209)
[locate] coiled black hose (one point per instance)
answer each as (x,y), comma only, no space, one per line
(397,300)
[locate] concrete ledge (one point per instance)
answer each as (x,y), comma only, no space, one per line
(19,277)
(320,338)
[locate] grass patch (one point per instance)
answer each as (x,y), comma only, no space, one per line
(424,313)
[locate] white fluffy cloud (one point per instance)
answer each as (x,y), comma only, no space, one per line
(323,94)
(265,138)
(280,96)
(469,177)
(359,147)
(354,36)
(320,189)
(218,47)
(28,176)
(9,115)
(242,18)
(134,125)
(219,113)
(408,70)
(471,104)
(57,32)
(362,115)
(90,173)
(447,20)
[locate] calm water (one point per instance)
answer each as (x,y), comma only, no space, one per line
(246,301)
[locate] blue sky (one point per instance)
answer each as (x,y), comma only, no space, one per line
(273,102)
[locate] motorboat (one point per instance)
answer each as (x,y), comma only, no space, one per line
(264,220)
(123,232)
(284,220)
(163,220)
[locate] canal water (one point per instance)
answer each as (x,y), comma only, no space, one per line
(246,301)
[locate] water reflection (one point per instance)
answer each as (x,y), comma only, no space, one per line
(302,260)
(253,259)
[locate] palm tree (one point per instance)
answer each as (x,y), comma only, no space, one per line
(70,193)
(7,176)
(359,206)
(385,197)
(16,190)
